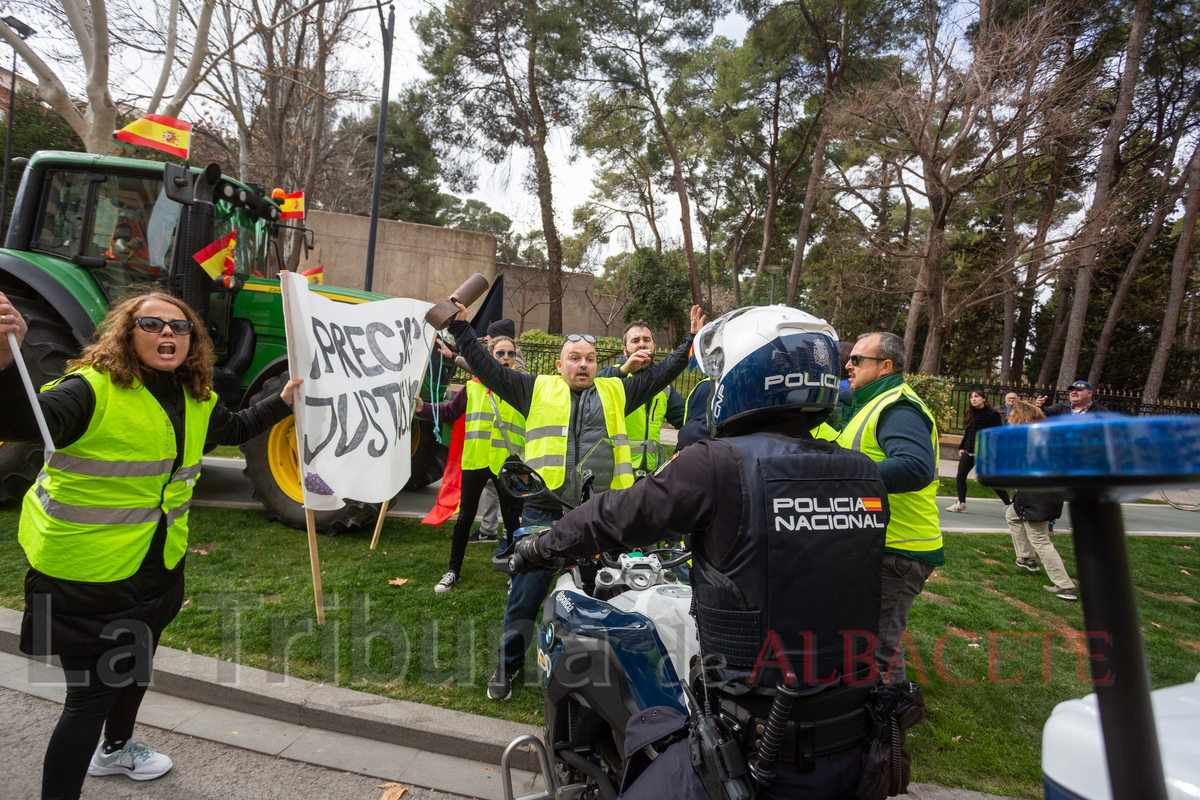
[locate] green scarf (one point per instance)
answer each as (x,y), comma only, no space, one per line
(865,394)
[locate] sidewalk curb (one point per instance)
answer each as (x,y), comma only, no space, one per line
(300,702)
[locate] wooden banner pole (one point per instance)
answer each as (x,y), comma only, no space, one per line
(315,560)
(383,509)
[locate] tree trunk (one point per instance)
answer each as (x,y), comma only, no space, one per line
(736,266)
(1118,301)
(810,199)
(1180,270)
(685,208)
(537,142)
(914,312)
(1036,256)
(1060,330)
(1106,174)
(314,140)
(931,281)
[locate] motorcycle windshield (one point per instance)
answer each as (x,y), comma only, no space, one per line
(634,642)
(594,472)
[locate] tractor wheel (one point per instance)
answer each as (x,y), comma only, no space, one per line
(47,346)
(274,471)
(428,457)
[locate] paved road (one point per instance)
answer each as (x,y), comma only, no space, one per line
(203,770)
(222,484)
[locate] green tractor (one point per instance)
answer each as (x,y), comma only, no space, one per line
(85,229)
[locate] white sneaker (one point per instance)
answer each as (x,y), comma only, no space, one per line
(446,583)
(134,760)
(957,507)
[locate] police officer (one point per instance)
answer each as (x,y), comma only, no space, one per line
(787,534)
(645,423)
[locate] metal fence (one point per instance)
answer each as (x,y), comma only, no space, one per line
(1124,402)
(540,359)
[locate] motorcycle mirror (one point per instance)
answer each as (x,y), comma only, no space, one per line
(521,480)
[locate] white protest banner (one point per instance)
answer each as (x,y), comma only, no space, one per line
(362,365)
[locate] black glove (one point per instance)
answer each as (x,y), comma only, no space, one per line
(530,559)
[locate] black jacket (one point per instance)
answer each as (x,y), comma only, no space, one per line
(1065,408)
(79,611)
(981,419)
(1036,506)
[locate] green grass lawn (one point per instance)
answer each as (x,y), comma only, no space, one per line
(249,599)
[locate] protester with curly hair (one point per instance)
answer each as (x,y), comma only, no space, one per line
(105,525)
(1029,518)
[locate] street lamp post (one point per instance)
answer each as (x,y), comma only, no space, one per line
(387,31)
(774,270)
(24,31)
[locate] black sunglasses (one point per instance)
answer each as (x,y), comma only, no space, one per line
(856,360)
(179,327)
(504,353)
(587,337)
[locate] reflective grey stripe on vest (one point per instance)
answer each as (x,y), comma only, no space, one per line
(478,416)
(97,468)
(541,462)
(624,468)
(544,431)
(92,515)
(619,439)
(187,473)
(869,410)
(512,427)
(478,435)
(175,513)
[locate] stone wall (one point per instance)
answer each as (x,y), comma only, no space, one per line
(411,260)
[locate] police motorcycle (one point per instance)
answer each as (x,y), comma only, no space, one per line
(616,636)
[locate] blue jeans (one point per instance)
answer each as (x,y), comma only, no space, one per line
(528,592)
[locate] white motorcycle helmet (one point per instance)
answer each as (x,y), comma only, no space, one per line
(766,359)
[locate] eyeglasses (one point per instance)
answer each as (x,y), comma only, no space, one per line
(856,360)
(179,327)
(504,353)
(587,337)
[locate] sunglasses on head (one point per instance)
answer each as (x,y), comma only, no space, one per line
(856,360)
(504,353)
(179,327)
(587,337)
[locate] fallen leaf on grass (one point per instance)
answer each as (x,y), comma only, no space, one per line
(1155,624)
(197,551)
(1185,572)
(1182,546)
(397,582)
(958,738)
(186,603)
(392,791)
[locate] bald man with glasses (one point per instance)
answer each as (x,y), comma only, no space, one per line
(566,416)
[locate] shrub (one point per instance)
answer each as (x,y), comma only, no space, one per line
(935,392)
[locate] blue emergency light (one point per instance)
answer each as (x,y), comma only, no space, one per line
(1116,456)
(1096,461)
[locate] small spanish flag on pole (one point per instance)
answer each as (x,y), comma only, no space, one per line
(315,275)
(170,135)
(217,258)
(293,206)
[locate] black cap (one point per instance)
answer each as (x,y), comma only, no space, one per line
(503,327)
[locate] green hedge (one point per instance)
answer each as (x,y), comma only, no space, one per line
(935,391)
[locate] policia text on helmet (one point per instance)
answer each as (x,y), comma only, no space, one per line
(788,536)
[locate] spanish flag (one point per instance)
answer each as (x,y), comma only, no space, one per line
(873,503)
(170,135)
(315,275)
(293,206)
(217,258)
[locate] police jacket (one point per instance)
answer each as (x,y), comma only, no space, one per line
(787,534)
(587,424)
(154,593)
